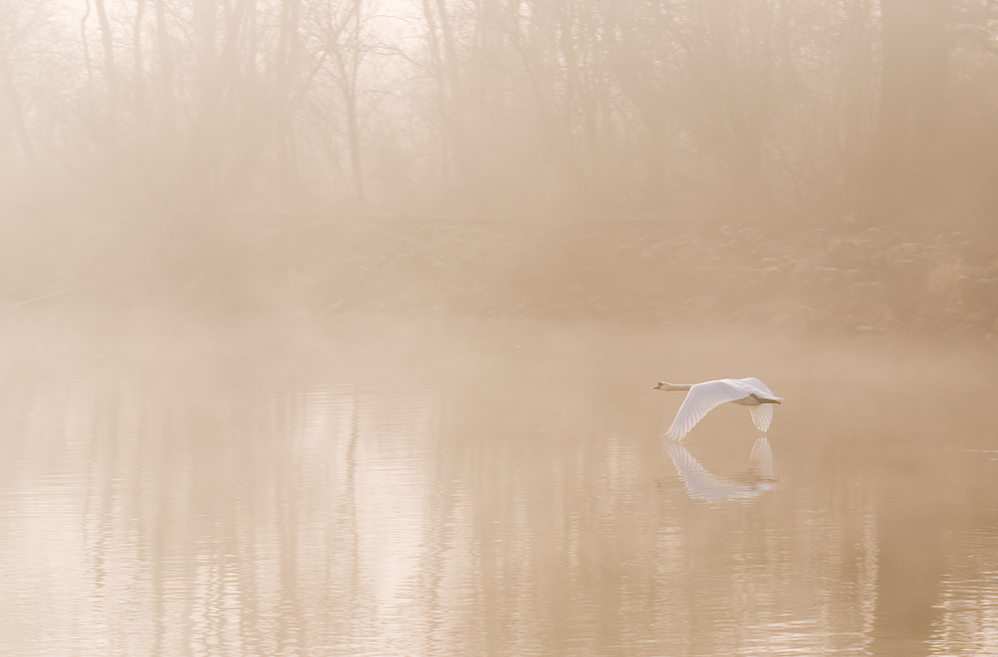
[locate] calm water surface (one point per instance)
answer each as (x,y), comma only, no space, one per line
(501,497)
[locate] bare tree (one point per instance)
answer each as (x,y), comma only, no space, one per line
(488,105)
(343,44)
(17,27)
(26,38)
(913,89)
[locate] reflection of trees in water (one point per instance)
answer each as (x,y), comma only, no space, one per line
(386,522)
(968,600)
(200,529)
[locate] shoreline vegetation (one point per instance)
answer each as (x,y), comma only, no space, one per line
(807,279)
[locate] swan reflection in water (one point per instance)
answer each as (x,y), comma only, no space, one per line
(746,487)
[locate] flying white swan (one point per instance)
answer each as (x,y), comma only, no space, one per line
(704,397)
(702,485)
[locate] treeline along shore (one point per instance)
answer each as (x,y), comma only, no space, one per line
(825,278)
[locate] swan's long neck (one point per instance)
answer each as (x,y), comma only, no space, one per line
(673,387)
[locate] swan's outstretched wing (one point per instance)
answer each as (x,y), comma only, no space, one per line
(761,460)
(700,400)
(762,416)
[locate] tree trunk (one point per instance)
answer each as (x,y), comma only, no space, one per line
(17,111)
(139,68)
(164,73)
(353,137)
(912,110)
(110,73)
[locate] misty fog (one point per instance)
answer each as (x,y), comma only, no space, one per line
(329,327)
(639,161)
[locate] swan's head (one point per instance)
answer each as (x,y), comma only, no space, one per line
(662,385)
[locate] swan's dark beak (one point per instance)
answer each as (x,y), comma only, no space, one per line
(657,386)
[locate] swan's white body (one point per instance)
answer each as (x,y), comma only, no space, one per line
(702,485)
(704,397)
